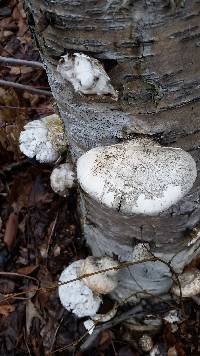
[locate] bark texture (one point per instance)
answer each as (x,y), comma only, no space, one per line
(151,50)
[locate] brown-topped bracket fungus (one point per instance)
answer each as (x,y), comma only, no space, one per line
(81,298)
(86,74)
(62,179)
(101,283)
(43,139)
(189,284)
(137,177)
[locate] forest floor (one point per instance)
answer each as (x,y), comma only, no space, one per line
(40,234)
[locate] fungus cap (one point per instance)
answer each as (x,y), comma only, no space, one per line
(62,178)
(76,296)
(146,343)
(137,177)
(101,283)
(43,139)
(189,282)
(86,74)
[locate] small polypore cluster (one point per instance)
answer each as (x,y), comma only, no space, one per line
(86,74)
(43,139)
(62,178)
(83,295)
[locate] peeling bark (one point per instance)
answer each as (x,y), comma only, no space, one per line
(151,52)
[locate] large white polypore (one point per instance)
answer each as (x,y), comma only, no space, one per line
(137,177)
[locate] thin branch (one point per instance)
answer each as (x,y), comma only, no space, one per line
(57,284)
(20,275)
(51,235)
(25,108)
(56,332)
(21,62)
(136,310)
(5,83)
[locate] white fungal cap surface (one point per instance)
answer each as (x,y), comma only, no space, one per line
(86,74)
(101,283)
(76,296)
(62,178)
(43,139)
(189,282)
(136,177)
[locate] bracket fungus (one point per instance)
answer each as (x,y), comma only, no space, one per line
(189,283)
(76,296)
(43,139)
(81,298)
(101,283)
(137,177)
(86,74)
(62,179)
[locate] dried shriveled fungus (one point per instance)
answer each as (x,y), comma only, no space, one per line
(137,177)
(101,283)
(189,283)
(43,139)
(99,318)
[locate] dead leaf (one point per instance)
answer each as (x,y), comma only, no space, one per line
(20,70)
(6,34)
(43,298)
(12,121)
(179,349)
(11,231)
(31,313)
(27,270)
(106,337)
(6,309)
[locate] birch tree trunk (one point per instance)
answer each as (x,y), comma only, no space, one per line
(150,50)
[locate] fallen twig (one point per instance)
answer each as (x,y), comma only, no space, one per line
(56,331)
(5,83)
(136,310)
(20,62)
(51,234)
(15,274)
